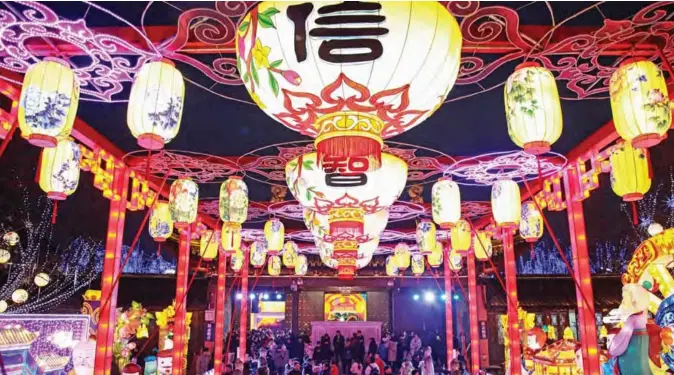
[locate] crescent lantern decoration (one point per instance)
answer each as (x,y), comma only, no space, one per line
(532,108)
(48,104)
(60,169)
(233,208)
(640,103)
(161,223)
(183,201)
(349,87)
(402,256)
(505,203)
(446,203)
(426,236)
(156,104)
(531,225)
(289,255)
(482,246)
(630,172)
(461,237)
(274,233)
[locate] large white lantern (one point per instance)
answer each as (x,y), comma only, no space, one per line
(505,203)
(161,222)
(60,169)
(156,104)
(20,296)
(183,202)
(446,203)
(308,67)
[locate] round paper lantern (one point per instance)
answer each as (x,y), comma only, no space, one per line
(60,169)
(418,264)
(41,279)
(461,237)
(5,256)
(455,261)
(209,243)
(505,203)
(258,254)
(3,306)
(20,296)
(237,260)
(11,238)
(402,256)
(435,258)
(49,98)
(274,265)
(426,236)
(630,172)
(654,229)
(533,109)
(531,225)
(446,203)
(156,104)
(482,246)
(233,204)
(640,103)
(230,237)
(301,265)
(274,233)
(289,254)
(307,67)
(161,223)
(391,268)
(183,202)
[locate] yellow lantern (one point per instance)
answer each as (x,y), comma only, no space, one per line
(426,236)
(233,203)
(41,279)
(418,264)
(640,103)
(258,254)
(274,265)
(209,243)
(161,223)
(391,268)
(301,265)
(20,296)
(183,202)
(230,237)
(402,256)
(3,306)
(156,104)
(461,237)
(60,169)
(5,256)
(533,109)
(505,203)
(482,246)
(435,258)
(630,172)
(274,234)
(289,254)
(455,261)
(446,203)
(48,104)
(237,260)
(11,238)
(531,225)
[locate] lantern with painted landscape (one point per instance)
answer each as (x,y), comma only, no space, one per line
(289,255)
(233,202)
(274,265)
(209,244)
(301,265)
(161,223)
(531,224)
(630,172)
(274,233)
(402,256)
(230,237)
(418,264)
(506,203)
(183,202)
(461,237)
(446,203)
(482,246)
(59,171)
(426,236)
(258,254)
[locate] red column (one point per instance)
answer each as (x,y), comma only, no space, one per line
(220,313)
(179,327)
(111,263)
(449,322)
(512,298)
(482,318)
(474,320)
(587,326)
(243,328)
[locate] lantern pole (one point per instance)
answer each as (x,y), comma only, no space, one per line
(472,313)
(111,263)
(243,317)
(513,301)
(220,313)
(449,321)
(179,326)
(581,268)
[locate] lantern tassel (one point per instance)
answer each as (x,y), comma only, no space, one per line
(54,212)
(635,213)
(158,249)
(350,146)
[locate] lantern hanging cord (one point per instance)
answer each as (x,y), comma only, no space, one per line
(8,138)
(635,213)
(54,212)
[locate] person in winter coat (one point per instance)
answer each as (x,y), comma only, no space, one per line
(393,352)
(372,348)
(415,344)
(280,357)
(383,351)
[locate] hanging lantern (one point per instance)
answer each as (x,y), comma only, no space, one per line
(461,237)
(418,264)
(446,203)
(5,256)
(183,201)
(49,98)
(482,246)
(289,254)
(301,265)
(630,172)
(233,204)
(237,260)
(391,268)
(156,104)
(640,103)
(11,238)
(60,169)
(274,234)
(161,223)
(505,203)
(20,296)
(258,254)
(435,258)
(41,279)
(455,261)
(533,109)
(209,243)
(402,256)
(274,265)
(426,236)
(531,225)
(230,237)
(3,306)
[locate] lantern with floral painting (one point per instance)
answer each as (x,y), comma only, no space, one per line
(533,109)
(349,90)
(418,264)
(5,256)
(11,238)
(346,264)
(59,171)
(274,233)
(461,237)
(319,224)
(258,254)
(455,261)
(446,203)
(426,236)
(482,246)
(183,201)
(402,256)
(209,244)
(49,98)
(301,265)
(230,237)
(640,103)
(391,267)
(274,265)
(531,224)
(156,104)
(237,260)
(289,255)
(20,296)
(233,202)
(435,257)
(161,223)
(630,172)
(505,203)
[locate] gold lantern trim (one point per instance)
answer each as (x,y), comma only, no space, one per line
(482,246)
(402,256)
(446,203)
(183,202)
(60,169)
(274,233)
(230,237)
(289,254)
(426,236)
(233,202)
(161,223)
(461,237)
(209,244)
(630,172)
(531,225)
(505,203)
(274,265)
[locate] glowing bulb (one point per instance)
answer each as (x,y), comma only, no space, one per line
(416,297)
(251,296)
(443,297)
(278,296)
(429,297)
(239,295)
(655,229)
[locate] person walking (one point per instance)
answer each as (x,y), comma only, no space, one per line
(393,352)
(338,347)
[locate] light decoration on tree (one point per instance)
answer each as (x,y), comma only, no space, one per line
(230,238)
(5,256)
(60,169)
(183,202)
(209,244)
(482,246)
(156,104)
(349,89)
(301,265)
(391,267)
(640,103)
(19,296)
(274,233)
(425,236)
(435,257)
(41,279)
(161,222)
(233,209)
(3,306)
(11,238)
(461,237)
(402,256)
(630,172)
(418,264)
(289,255)
(446,203)
(49,99)
(532,108)
(237,260)
(455,261)
(655,228)
(258,254)
(531,224)
(505,203)
(274,265)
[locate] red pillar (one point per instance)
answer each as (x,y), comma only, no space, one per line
(474,320)
(179,327)
(587,327)
(512,298)
(449,322)
(482,319)
(111,263)
(243,328)
(220,313)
